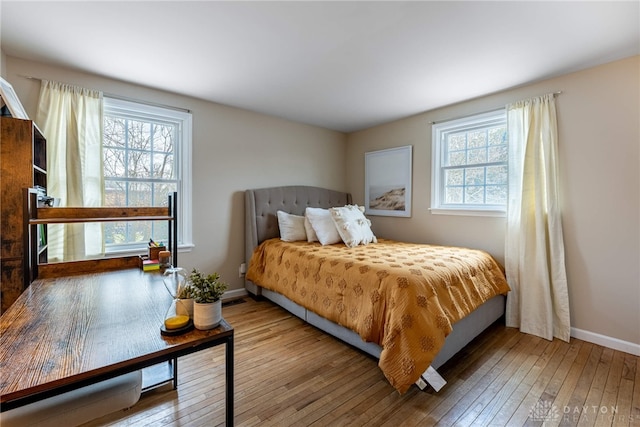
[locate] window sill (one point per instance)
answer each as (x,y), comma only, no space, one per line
(187,247)
(467,212)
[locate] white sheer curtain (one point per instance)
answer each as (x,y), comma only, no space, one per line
(534,253)
(71,119)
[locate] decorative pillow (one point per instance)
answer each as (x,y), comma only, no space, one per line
(322,224)
(354,228)
(311,235)
(291,227)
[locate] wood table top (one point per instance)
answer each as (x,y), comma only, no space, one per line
(68,330)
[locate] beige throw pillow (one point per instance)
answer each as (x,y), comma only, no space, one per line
(354,228)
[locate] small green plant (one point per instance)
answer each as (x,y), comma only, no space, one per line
(206,289)
(185,290)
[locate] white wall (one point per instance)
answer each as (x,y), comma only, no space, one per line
(599,139)
(3,62)
(3,58)
(233,150)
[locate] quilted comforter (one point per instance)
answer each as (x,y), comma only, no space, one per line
(402,296)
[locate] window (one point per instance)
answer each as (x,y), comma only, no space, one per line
(147,155)
(470,165)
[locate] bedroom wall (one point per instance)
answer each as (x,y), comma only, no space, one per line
(3,62)
(599,139)
(233,150)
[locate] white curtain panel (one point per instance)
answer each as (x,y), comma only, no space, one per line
(538,303)
(70,117)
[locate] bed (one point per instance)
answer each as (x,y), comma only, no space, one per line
(399,302)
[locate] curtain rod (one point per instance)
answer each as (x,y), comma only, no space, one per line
(556,93)
(122,98)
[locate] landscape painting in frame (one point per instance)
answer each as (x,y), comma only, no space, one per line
(388,182)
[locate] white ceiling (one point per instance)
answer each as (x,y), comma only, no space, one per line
(340,65)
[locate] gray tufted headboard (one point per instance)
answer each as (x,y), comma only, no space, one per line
(261,205)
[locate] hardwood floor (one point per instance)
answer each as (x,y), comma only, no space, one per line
(290,374)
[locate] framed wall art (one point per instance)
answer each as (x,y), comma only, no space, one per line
(9,99)
(388,182)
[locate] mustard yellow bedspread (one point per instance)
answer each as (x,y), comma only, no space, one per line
(403,296)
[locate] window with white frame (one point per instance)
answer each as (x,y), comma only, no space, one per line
(470,167)
(147,156)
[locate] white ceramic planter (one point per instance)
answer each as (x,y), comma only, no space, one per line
(207,315)
(184,307)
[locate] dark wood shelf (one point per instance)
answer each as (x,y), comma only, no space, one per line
(52,215)
(37,215)
(63,220)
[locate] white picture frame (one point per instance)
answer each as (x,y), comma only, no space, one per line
(388,182)
(11,100)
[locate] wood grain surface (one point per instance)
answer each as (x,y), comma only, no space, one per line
(289,373)
(78,328)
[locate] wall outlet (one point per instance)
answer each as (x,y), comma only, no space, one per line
(242,269)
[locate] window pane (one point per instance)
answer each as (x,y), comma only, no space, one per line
(161,192)
(115,233)
(474,176)
(453,195)
(477,139)
(139,231)
(163,136)
(498,135)
(477,155)
(114,132)
(139,135)
(139,164)
(163,166)
(497,175)
(457,158)
(497,194)
(474,195)
(498,153)
(457,141)
(115,193)
(160,232)
(140,194)
(114,162)
(454,177)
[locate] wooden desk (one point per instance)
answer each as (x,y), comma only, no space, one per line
(69,332)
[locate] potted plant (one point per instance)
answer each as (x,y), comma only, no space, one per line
(184,297)
(207,305)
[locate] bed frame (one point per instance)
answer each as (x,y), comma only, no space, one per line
(261,220)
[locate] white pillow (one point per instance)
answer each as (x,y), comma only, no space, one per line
(323,225)
(354,228)
(291,227)
(311,235)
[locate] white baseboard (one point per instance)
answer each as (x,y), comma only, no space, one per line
(234,293)
(605,341)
